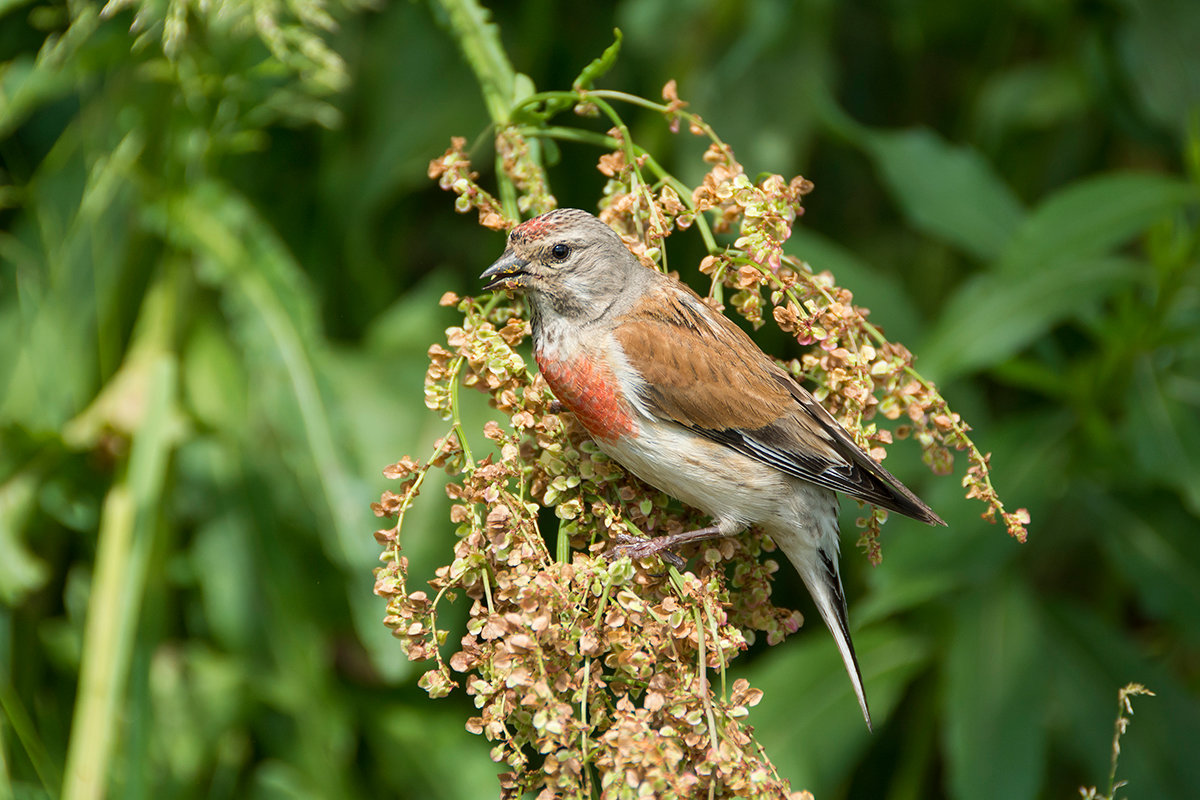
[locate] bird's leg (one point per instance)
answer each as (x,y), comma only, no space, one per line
(661,546)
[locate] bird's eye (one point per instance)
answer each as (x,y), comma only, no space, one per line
(560,252)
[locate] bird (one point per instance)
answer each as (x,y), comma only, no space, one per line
(684,399)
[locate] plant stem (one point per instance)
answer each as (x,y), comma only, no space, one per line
(27,733)
(124,542)
(456,417)
(562,544)
(126,534)
(611,143)
(479,39)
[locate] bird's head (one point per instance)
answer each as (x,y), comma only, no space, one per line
(567,262)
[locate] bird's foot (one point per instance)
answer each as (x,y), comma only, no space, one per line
(635,547)
(661,546)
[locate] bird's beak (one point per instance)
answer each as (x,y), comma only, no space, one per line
(506,273)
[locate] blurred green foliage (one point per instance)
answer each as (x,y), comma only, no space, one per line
(219,265)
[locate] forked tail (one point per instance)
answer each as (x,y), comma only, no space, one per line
(825,586)
(819,571)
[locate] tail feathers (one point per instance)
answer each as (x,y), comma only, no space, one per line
(825,586)
(812,547)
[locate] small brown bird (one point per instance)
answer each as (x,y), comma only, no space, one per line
(684,399)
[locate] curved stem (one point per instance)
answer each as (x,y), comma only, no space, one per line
(456,417)
(413,490)
(437,650)
(693,119)
(611,143)
(627,147)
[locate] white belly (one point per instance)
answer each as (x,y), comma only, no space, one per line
(730,487)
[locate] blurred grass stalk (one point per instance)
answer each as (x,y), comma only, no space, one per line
(145,385)
(479,39)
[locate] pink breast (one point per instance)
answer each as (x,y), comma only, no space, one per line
(590,391)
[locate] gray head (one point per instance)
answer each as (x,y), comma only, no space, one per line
(568,263)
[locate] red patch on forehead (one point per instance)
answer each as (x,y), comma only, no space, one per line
(590,391)
(546,224)
(537,226)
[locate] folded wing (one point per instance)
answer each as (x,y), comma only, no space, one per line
(701,371)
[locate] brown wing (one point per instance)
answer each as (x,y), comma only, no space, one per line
(704,373)
(686,353)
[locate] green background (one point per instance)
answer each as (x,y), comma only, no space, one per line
(219,265)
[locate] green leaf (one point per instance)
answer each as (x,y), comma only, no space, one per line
(994,315)
(1158,47)
(996,695)
(1091,217)
(271,310)
(221,552)
(214,378)
(428,750)
(1033,96)
(26,86)
(1053,269)
(21,572)
(1163,431)
(1156,552)
(523,87)
(599,66)
(8,6)
(809,719)
(949,192)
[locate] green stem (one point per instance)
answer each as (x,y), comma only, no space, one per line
(625,97)
(479,39)
(627,146)
(128,523)
(456,417)
(487,590)
(433,631)
(570,135)
(411,494)
(702,669)
(25,729)
(538,98)
(603,604)
(610,143)
(676,580)
(126,534)
(563,544)
(708,616)
(583,714)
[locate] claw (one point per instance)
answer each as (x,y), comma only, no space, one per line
(634,547)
